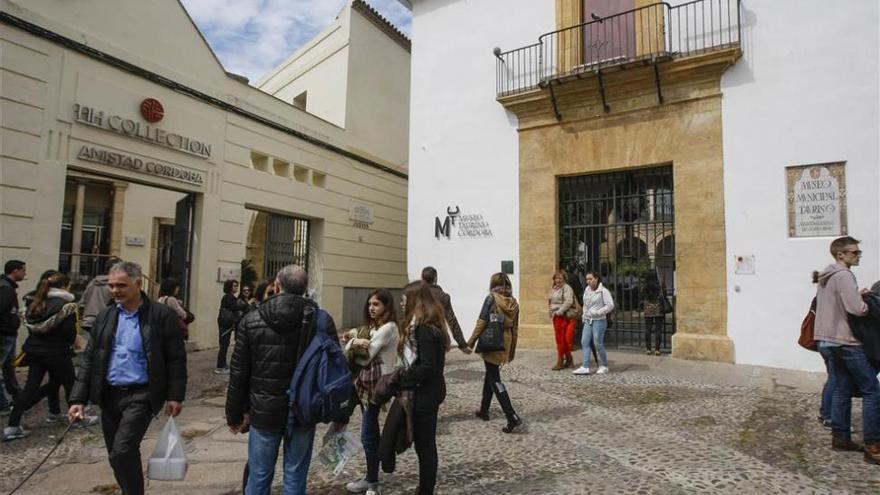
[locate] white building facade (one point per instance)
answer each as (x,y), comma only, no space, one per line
(718,119)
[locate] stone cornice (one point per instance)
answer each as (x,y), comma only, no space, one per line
(628,88)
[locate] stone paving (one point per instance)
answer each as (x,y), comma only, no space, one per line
(653,425)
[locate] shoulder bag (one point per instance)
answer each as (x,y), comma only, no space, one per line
(808,327)
(492,337)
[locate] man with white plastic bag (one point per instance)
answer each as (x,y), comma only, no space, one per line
(134,364)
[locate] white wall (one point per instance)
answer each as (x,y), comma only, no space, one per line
(320,68)
(463,144)
(805,91)
(143,204)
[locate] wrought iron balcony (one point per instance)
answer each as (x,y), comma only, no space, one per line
(642,36)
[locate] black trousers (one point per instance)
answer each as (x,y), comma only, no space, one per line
(425,442)
(225,336)
(655,325)
(60,370)
(492,385)
(125,416)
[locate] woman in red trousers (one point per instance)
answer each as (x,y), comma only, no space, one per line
(563,311)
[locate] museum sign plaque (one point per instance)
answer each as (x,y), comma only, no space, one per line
(816,200)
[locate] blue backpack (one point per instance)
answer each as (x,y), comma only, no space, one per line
(322,386)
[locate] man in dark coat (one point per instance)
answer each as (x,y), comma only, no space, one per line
(134,364)
(429,276)
(268,345)
(14,271)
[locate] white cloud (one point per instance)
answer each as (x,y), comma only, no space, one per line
(250,37)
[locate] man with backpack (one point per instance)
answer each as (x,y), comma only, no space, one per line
(836,298)
(268,347)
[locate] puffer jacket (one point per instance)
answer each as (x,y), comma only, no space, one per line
(163,345)
(52,330)
(597,303)
(268,346)
(507,306)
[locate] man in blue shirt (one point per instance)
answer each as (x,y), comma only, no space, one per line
(134,364)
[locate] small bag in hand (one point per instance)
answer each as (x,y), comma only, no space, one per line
(492,337)
(168,460)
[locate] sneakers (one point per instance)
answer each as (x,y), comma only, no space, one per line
(362,486)
(648,352)
(581,371)
(14,432)
(657,352)
(602,370)
(55,418)
(221,371)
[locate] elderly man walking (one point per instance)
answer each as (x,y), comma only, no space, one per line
(268,346)
(134,364)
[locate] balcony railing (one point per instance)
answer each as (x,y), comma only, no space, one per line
(647,34)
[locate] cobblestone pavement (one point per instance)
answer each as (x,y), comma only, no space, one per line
(653,425)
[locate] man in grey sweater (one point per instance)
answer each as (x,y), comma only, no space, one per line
(838,296)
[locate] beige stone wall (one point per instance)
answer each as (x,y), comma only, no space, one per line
(638,133)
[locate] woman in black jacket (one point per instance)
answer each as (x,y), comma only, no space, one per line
(422,347)
(51,320)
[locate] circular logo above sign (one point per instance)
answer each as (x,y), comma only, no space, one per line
(152,110)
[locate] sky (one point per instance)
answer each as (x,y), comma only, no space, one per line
(250,37)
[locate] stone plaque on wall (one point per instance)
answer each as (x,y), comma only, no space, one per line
(816,200)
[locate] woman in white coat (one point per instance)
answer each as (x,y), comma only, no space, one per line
(597,305)
(373,348)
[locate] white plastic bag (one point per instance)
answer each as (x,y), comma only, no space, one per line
(168,460)
(339,447)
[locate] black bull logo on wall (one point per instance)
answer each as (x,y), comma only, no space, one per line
(445,228)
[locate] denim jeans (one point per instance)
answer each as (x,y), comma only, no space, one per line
(263,453)
(7,345)
(594,335)
(828,389)
(852,372)
(370,440)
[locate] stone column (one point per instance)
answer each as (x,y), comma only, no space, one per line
(118,215)
(77,226)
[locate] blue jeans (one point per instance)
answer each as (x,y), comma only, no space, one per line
(594,335)
(7,346)
(370,440)
(828,389)
(852,372)
(263,452)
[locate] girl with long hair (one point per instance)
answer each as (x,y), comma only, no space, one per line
(231,310)
(499,303)
(561,306)
(422,348)
(168,295)
(598,304)
(373,349)
(51,320)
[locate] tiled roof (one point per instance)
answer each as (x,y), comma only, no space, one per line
(384,24)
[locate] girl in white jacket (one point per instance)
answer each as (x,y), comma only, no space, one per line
(376,356)
(597,305)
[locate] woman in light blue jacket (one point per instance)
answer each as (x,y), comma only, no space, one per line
(597,305)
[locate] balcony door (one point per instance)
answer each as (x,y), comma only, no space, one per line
(609,38)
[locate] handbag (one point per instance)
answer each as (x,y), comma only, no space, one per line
(667,304)
(574,312)
(808,327)
(492,337)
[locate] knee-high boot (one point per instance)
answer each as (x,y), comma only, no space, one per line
(513,420)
